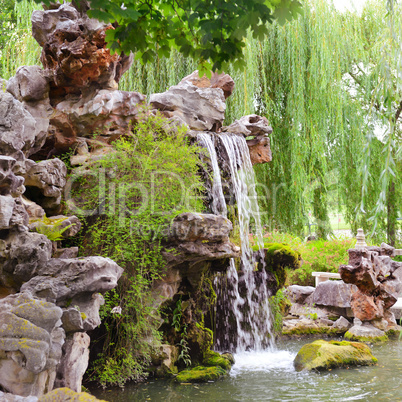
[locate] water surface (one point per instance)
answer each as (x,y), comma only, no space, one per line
(269,376)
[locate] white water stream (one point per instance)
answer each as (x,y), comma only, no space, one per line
(244,297)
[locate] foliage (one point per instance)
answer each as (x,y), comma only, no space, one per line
(17,46)
(129,202)
(279,305)
(317,255)
(51,228)
(207,31)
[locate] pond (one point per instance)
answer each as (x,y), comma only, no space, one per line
(269,376)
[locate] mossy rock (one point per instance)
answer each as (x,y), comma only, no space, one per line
(216,359)
(201,374)
(322,355)
(67,395)
(367,339)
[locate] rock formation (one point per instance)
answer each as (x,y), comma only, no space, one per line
(373,272)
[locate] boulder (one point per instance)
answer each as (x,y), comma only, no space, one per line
(201,374)
(202,109)
(29,84)
(45,181)
(342,324)
(260,150)
(9,182)
(104,115)
(250,125)
(322,355)
(22,254)
(333,293)
(19,134)
(298,294)
(68,395)
(30,344)
(63,279)
(5,397)
(74,362)
(366,333)
(222,81)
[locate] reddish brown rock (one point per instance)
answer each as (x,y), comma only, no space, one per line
(222,81)
(260,150)
(74,52)
(364,307)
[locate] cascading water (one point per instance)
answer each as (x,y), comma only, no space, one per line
(243,314)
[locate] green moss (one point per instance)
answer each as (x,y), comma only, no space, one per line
(66,394)
(201,374)
(367,339)
(215,359)
(300,331)
(322,355)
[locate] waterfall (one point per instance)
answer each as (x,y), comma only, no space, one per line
(243,314)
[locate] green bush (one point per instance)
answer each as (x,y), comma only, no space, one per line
(149,177)
(317,255)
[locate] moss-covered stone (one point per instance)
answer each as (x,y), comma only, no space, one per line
(322,355)
(216,359)
(67,395)
(201,374)
(367,339)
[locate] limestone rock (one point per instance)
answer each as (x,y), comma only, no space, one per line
(19,134)
(342,323)
(250,125)
(222,81)
(202,109)
(49,177)
(74,362)
(333,293)
(74,51)
(5,397)
(9,182)
(22,254)
(366,333)
(165,360)
(62,279)
(29,84)
(106,115)
(34,210)
(322,355)
(30,344)
(191,227)
(298,294)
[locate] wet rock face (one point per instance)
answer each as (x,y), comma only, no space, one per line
(74,51)
(31,339)
(375,275)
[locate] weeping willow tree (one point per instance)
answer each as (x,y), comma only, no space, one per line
(20,48)
(317,81)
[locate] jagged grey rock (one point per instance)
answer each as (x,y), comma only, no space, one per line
(202,109)
(19,134)
(74,362)
(298,294)
(107,113)
(22,254)
(250,125)
(342,324)
(49,176)
(62,279)
(333,293)
(29,84)
(30,344)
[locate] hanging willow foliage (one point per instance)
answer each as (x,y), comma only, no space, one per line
(313,79)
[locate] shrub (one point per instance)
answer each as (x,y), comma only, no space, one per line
(317,255)
(149,177)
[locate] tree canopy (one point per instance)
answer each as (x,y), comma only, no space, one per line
(210,31)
